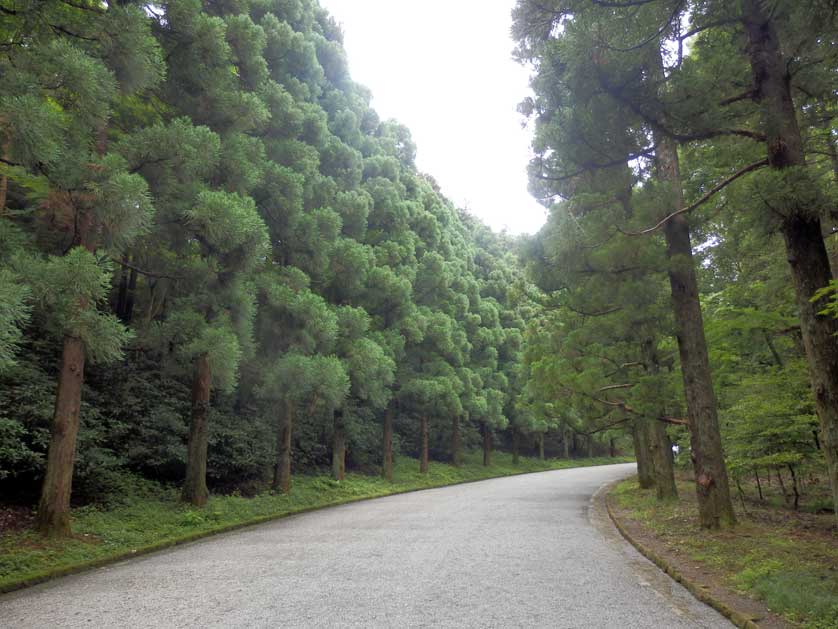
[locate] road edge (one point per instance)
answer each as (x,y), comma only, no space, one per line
(102,562)
(737,617)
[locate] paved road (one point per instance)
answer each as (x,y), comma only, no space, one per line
(525,551)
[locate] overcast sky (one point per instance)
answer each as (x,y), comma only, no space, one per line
(444,69)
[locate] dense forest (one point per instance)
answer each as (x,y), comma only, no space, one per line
(219,266)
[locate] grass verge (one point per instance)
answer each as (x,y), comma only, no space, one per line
(158,521)
(787,561)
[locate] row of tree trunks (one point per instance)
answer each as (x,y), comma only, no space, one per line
(801,226)
(282,472)
(54,507)
(339,447)
(387,466)
(423,451)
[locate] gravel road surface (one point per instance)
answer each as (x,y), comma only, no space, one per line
(523,551)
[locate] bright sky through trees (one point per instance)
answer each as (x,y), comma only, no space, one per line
(445,70)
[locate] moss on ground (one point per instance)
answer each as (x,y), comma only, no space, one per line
(154,518)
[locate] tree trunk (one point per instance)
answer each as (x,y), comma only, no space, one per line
(662,462)
(456,445)
(645,471)
(659,444)
(711,481)
(516,446)
(565,443)
(423,449)
(339,447)
(612,450)
(487,445)
(54,508)
(590,444)
(282,472)
(195,485)
(387,467)
(541,446)
(759,484)
(801,226)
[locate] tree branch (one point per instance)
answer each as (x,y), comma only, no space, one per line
(704,198)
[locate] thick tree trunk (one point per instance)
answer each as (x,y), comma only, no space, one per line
(541,446)
(387,466)
(642,452)
(195,485)
(612,449)
(54,508)
(516,446)
(711,481)
(282,472)
(423,448)
(456,445)
(487,445)
(339,447)
(801,226)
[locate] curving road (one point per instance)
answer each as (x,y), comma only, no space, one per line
(524,551)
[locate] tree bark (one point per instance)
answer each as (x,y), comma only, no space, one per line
(711,481)
(565,443)
(590,444)
(612,450)
(516,446)
(195,485)
(53,518)
(801,226)
(541,446)
(642,452)
(456,445)
(339,447)
(423,449)
(387,467)
(487,445)
(660,446)
(282,472)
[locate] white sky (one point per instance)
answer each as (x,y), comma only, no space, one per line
(444,69)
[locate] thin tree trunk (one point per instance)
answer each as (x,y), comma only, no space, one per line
(612,449)
(487,445)
(801,226)
(590,443)
(541,446)
(565,443)
(195,485)
(782,486)
(282,472)
(54,508)
(516,446)
(387,467)
(645,471)
(339,447)
(423,451)
(759,485)
(456,445)
(794,487)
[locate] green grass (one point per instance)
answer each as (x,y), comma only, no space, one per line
(787,560)
(156,520)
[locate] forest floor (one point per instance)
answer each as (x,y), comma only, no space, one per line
(785,560)
(155,519)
